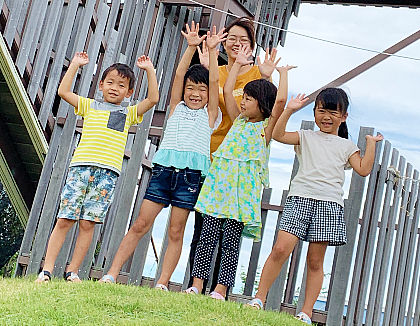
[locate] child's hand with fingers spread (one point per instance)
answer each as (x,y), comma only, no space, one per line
(243,54)
(80,59)
(375,139)
(296,103)
(203,54)
(285,68)
(213,39)
(192,37)
(144,62)
(267,67)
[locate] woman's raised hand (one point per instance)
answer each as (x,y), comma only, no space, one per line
(214,38)
(269,64)
(191,34)
(296,103)
(243,54)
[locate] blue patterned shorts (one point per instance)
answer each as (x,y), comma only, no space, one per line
(87,193)
(314,220)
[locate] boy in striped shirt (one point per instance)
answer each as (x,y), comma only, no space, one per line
(97,160)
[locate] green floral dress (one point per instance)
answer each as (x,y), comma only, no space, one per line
(232,188)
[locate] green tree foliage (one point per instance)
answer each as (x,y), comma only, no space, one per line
(11,230)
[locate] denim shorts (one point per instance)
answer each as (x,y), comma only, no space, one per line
(172,186)
(87,193)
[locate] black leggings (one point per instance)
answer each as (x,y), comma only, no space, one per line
(210,234)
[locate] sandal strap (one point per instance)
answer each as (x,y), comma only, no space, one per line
(256,303)
(108,278)
(162,287)
(71,276)
(217,295)
(192,290)
(304,317)
(41,276)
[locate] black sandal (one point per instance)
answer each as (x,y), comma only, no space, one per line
(44,276)
(71,277)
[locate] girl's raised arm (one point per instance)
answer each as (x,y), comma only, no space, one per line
(230,102)
(363,165)
(193,40)
(213,40)
(281,99)
(279,133)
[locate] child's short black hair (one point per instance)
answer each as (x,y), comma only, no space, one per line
(123,70)
(197,74)
(264,92)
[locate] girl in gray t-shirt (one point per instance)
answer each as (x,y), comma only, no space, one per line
(314,208)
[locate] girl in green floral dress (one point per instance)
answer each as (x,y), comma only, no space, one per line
(231,194)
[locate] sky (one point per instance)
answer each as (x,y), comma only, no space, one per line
(384,97)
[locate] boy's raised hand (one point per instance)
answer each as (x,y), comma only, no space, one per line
(267,67)
(214,38)
(243,54)
(296,103)
(203,54)
(192,37)
(80,59)
(376,138)
(144,62)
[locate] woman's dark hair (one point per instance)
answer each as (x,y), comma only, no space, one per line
(248,25)
(198,74)
(264,92)
(334,99)
(123,70)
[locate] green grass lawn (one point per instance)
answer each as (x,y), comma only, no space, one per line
(22,302)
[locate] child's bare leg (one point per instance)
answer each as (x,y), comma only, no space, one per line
(86,229)
(198,283)
(178,220)
(272,267)
(56,241)
(148,212)
(315,275)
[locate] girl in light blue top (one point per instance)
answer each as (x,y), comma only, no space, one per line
(183,156)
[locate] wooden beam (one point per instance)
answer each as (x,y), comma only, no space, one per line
(367,64)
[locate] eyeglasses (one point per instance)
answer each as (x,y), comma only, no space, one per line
(234,39)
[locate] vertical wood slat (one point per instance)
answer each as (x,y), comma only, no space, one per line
(112,18)
(372,228)
(415,251)
(276,293)
(377,268)
(344,254)
(389,236)
(51,199)
(43,56)
(256,248)
(416,320)
(129,179)
(354,304)
(31,34)
(410,237)
(12,22)
(57,65)
(138,18)
(397,247)
(399,303)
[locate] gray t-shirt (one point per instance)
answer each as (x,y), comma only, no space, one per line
(322,160)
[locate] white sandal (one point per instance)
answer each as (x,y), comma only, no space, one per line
(304,318)
(162,287)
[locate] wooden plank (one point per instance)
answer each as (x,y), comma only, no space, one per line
(31,34)
(399,302)
(393,278)
(133,31)
(344,254)
(388,244)
(45,47)
(372,229)
(57,65)
(112,18)
(276,293)
(377,268)
(416,320)
(354,304)
(12,22)
(415,277)
(256,248)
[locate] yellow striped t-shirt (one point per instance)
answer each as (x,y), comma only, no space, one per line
(104,133)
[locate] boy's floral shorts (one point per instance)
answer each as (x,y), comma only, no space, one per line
(87,193)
